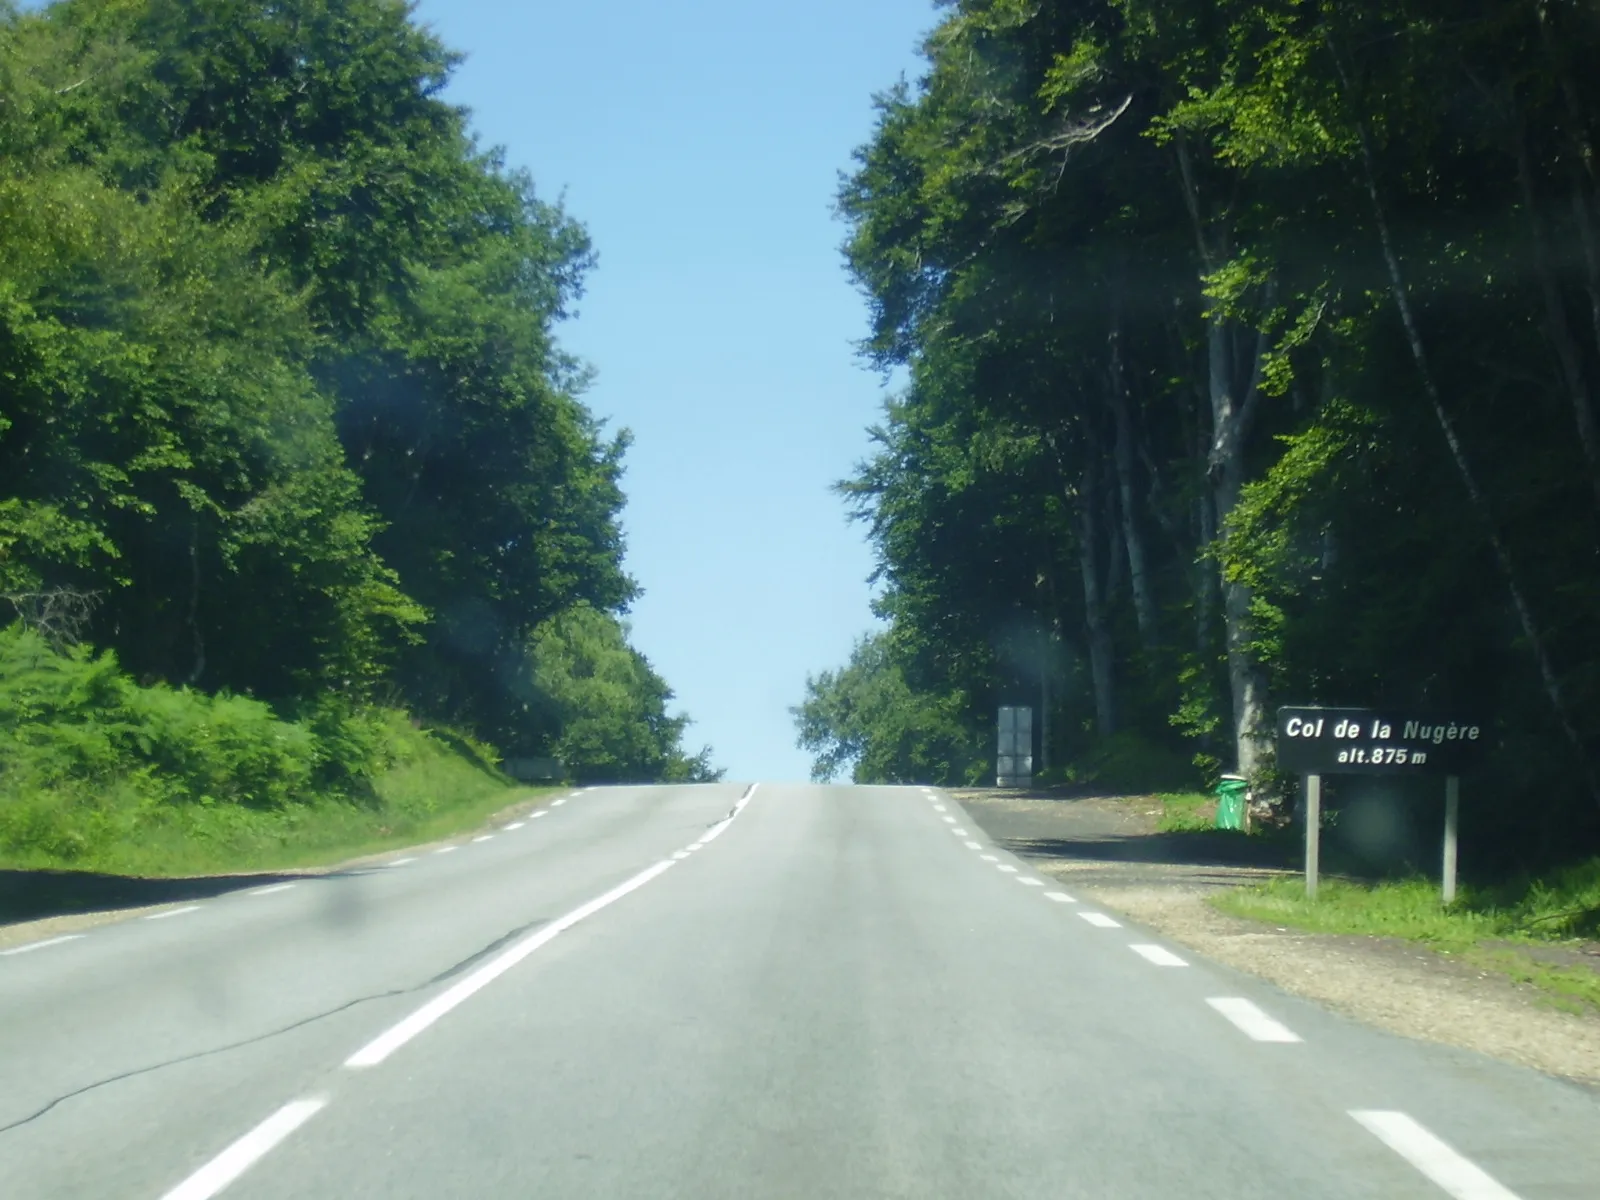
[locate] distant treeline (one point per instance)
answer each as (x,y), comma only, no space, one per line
(282,411)
(1253,349)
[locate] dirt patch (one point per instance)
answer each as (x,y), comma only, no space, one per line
(1107,849)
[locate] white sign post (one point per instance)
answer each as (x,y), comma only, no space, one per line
(1313,832)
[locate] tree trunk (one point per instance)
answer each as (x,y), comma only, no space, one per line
(196,639)
(1101,661)
(1232,415)
(1205,576)
(1138,574)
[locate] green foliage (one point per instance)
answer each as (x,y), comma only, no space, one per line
(606,704)
(99,773)
(867,719)
(283,395)
(1128,763)
(1173,288)
(73,720)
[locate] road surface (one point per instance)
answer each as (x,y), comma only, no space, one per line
(719,991)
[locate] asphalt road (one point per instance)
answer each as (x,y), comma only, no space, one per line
(838,992)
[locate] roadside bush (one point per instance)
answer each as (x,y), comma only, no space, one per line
(1128,763)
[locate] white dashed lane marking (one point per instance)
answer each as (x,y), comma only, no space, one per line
(1160,955)
(1031,882)
(31,946)
(1456,1174)
(483,838)
(401,862)
(446,849)
(1254,1023)
(959,832)
(989,857)
(537,815)
(1007,868)
(558,803)
(173,912)
(950,820)
(244,1153)
(1100,920)
(516,825)
(1059,897)
(974,845)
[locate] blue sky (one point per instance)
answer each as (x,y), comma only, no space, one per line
(700,142)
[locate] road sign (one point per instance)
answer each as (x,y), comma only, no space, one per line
(1370,741)
(1014,766)
(1314,742)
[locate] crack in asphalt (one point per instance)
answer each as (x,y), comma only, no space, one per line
(448,973)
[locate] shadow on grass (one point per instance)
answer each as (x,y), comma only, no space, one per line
(34,895)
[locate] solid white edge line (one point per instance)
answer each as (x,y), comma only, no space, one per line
(397,1035)
(1251,1021)
(244,1153)
(1059,897)
(173,912)
(1160,955)
(267,891)
(55,941)
(1459,1176)
(1100,920)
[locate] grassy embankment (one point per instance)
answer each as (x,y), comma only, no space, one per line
(1538,931)
(1515,929)
(433,789)
(99,774)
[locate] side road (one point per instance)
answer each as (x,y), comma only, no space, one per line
(1107,848)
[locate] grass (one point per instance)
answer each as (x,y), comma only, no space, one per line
(1186,812)
(433,790)
(1499,928)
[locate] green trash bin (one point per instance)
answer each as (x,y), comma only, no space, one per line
(1231,791)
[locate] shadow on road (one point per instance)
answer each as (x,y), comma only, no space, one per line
(1199,849)
(34,895)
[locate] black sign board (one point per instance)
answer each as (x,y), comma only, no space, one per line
(1369,741)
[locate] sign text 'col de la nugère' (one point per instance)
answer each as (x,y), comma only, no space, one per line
(1367,741)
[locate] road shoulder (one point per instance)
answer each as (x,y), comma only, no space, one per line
(1105,849)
